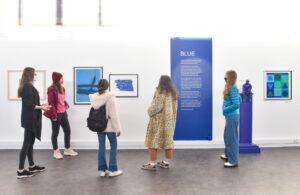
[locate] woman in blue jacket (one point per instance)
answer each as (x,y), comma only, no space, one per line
(231,112)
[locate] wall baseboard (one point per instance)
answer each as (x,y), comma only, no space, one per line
(139,144)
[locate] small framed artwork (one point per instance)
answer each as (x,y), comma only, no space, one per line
(85,83)
(278,85)
(13,82)
(124,85)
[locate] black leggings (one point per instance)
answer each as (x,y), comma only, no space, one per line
(27,149)
(62,120)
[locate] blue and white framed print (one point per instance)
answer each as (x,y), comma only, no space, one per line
(124,85)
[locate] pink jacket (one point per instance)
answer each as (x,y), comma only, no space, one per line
(52,100)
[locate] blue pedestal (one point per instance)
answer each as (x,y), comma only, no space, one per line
(249,149)
(246,145)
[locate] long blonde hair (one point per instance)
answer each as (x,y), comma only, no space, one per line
(231,76)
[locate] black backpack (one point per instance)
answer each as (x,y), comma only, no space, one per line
(97,121)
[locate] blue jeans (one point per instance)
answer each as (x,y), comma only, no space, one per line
(102,165)
(231,139)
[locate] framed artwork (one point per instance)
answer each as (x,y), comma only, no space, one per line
(85,83)
(13,82)
(124,85)
(278,85)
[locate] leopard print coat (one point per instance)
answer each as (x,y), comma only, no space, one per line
(160,131)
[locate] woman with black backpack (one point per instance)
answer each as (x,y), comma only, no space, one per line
(112,130)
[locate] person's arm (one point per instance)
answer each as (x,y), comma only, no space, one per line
(157,104)
(27,97)
(114,116)
(51,102)
(44,107)
(235,99)
(66,103)
(175,110)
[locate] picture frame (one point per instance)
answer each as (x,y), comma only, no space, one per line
(85,83)
(277,85)
(13,82)
(124,85)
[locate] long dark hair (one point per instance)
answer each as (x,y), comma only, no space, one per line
(231,76)
(167,86)
(27,77)
(102,86)
(59,87)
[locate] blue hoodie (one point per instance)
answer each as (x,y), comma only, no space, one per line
(231,105)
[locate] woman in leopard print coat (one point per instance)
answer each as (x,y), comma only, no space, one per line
(160,131)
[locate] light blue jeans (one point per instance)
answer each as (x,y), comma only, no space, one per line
(231,139)
(102,165)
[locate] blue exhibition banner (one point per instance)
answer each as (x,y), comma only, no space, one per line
(191,71)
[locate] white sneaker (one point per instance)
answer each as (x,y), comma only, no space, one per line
(70,152)
(224,157)
(57,154)
(103,173)
(115,173)
(229,165)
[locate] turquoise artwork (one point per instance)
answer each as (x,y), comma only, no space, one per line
(278,85)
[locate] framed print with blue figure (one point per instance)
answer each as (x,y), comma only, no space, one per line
(124,85)
(85,83)
(278,85)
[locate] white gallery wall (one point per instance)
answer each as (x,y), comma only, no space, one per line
(250,37)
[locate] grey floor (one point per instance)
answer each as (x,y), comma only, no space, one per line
(274,171)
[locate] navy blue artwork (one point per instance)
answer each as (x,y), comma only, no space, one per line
(124,85)
(86,81)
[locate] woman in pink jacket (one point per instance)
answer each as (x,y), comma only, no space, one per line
(58,115)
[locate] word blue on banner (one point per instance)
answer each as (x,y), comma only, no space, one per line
(191,71)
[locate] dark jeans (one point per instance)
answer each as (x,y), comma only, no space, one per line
(27,149)
(62,120)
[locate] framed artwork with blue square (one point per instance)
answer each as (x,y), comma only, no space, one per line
(85,83)
(278,85)
(124,85)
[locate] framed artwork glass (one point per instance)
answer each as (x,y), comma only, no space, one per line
(278,85)
(85,83)
(124,85)
(13,82)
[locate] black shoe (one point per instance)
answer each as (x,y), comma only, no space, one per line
(24,174)
(36,168)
